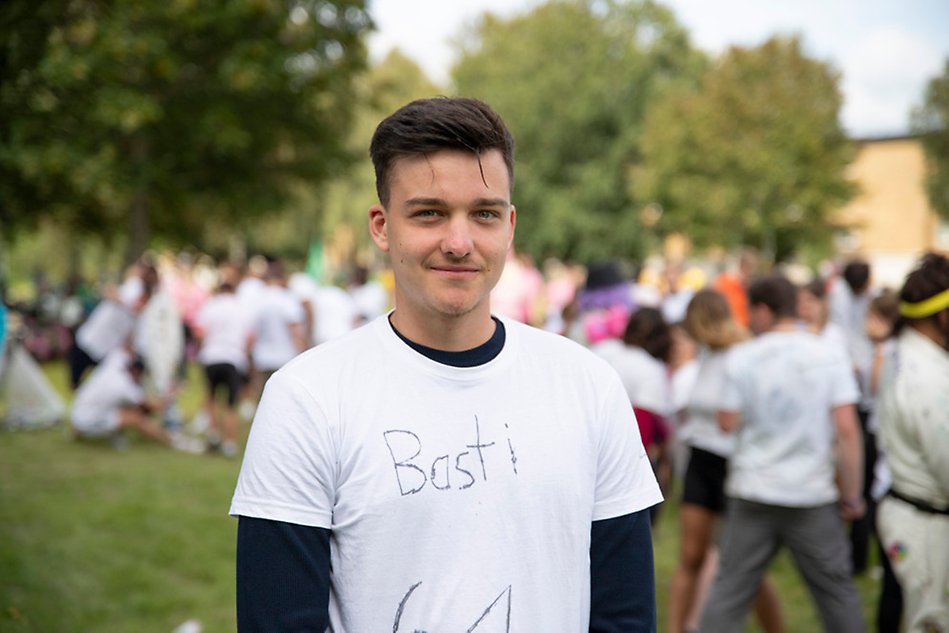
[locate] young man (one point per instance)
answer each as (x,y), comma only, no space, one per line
(440,469)
(790,400)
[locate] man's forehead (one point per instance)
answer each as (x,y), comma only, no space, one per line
(486,167)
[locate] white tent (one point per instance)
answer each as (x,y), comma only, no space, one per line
(29,398)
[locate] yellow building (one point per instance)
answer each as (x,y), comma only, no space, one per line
(890,222)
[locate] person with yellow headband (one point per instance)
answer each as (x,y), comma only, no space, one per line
(913,520)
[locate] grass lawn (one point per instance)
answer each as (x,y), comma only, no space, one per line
(98,540)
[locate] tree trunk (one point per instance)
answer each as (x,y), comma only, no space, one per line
(138,229)
(138,213)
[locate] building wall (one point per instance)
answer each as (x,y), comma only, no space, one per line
(890,222)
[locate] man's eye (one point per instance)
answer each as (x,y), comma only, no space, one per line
(486,215)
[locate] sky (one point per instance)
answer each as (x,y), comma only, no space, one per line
(886,50)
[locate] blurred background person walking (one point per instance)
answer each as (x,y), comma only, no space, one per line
(223,329)
(710,323)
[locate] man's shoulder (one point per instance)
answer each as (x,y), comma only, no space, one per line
(555,351)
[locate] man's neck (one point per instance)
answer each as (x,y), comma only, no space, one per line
(788,324)
(930,329)
(448,334)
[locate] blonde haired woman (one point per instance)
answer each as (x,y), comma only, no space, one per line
(709,321)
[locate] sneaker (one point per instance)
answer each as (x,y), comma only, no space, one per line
(186,444)
(213,442)
(199,423)
(229,449)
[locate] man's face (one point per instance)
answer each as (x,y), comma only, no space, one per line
(809,307)
(760,318)
(447,230)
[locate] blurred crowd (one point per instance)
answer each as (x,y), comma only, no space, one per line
(689,340)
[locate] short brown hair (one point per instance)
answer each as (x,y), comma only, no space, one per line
(429,125)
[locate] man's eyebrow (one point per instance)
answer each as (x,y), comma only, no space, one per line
(492,202)
(425,202)
(438,202)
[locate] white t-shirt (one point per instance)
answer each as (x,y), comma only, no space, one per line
(644,378)
(914,420)
(371,300)
(785,385)
(701,426)
(226,326)
(452,493)
(99,398)
(334,313)
(277,310)
(111,322)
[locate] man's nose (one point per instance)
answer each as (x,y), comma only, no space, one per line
(458,241)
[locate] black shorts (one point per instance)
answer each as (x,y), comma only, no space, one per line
(705,481)
(224,375)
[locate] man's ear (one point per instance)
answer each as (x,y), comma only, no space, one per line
(379,227)
(513,221)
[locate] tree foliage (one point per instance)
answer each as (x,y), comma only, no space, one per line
(756,155)
(573,79)
(392,83)
(931,121)
(163,116)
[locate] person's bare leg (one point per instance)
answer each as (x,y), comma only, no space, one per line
(696,526)
(135,418)
(768,608)
(703,588)
(231,425)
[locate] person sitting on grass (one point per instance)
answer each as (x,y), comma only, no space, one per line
(113,400)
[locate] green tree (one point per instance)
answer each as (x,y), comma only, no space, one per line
(755,156)
(573,79)
(171,117)
(931,121)
(392,83)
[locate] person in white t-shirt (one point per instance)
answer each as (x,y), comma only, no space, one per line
(796,469)
(223,328)
(441,469)
(913,519)
(641,364)
(710,323)
(279,326)
(112,401)
(814,311)
(112,322)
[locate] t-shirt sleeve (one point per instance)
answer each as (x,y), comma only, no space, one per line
(730,398)
(845,387)
(289,468)
(625,482)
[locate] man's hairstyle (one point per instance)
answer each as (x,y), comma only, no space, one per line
(709,320)
(816,287)
(647,329)
(928,279)
(777,293)
(857,275)
(886,305)
(429,125)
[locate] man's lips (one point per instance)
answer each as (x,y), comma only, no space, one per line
(455,270)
